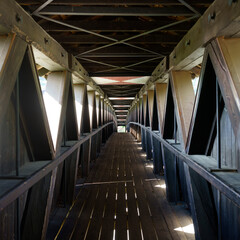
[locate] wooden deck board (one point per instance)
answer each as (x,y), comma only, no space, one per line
(123,199)
(121,215)
(133,222)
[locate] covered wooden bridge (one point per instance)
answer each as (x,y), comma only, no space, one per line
(119,119)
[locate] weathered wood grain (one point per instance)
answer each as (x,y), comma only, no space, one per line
(183,95)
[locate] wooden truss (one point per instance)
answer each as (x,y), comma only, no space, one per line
(54,137)
(197,143)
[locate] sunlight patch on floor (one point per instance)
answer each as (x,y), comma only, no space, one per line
(160,186)
(149,166)
(187,229)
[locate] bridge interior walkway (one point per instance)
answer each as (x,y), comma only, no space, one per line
(121,199)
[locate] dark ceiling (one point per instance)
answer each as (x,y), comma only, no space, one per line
(117,38)
(112,37)
(121,90)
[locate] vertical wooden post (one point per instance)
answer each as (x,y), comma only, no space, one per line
(149,106)
(202,206)
(55,98)
(161,95)
(81,99)
(183,95)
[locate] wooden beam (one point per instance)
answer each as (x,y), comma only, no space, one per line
(147,117)
(81,75)
(12,50)
(225,51)
(92,110)
(98,110)
(55,98)
(84,126)
(71,116)
(105,112)
(204,113)
(140,111)
(72,168)
(170,173)
(157,157)
(202,205)
(159,74)
(150,95)
(42,6)
(37,205)
(155,118)
(113,2)
(112,11)
(48,203)
(102,110)
(116,50)
(36,124)
(163,38)
(169,115)
(114,26)
(161,94)
(184,97)
(25,184)
(220,19)
(79,97)
(144,109)
(15,20)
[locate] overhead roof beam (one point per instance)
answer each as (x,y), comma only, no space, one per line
(124,41)
(121,98)
(110,65)
(220,19)
(120,73)
(189,7)
(113,11)
(42,6)
(115,41)
(189,51)
(131,65)
(124,55)
(163,38)
(117,50)
(140,35)
(121,92)
(119,106)
(15,20)
(110,2)
(113,26)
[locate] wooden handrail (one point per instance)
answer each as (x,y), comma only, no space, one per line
(223,186)
(28,182)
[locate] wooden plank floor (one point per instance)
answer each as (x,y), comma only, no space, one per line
(121,199)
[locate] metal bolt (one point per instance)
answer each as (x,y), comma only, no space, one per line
(230,2)
(18,18)
(187,43)
(211,16)
(45,40)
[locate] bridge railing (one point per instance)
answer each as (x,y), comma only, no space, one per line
(34,176)
(212,194)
